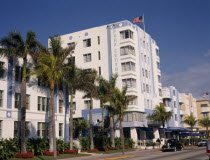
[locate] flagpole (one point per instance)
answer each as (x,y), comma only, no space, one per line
(144,26)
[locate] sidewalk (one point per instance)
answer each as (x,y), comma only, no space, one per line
(118,155)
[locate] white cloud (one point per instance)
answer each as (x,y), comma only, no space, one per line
(195,80)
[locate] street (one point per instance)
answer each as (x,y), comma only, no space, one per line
(187,154)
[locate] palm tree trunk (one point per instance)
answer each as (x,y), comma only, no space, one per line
(164,134)
(191,136)
(122,135)
(52,138)
(102,123)
(71,122)
(207,132)
(91,125)
(112,130)
(23,107)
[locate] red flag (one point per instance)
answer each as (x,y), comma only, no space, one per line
(138,19)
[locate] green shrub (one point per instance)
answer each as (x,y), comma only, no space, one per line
(117,142)
(37,145)
(85,143)
(150,144)
(129,142)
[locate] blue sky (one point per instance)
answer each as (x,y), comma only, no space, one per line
(180,27)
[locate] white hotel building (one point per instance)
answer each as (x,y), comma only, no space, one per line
(120,48)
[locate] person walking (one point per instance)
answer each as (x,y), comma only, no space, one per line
(208,147)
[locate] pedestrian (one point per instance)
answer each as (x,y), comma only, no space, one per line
(208,147)
(158,143)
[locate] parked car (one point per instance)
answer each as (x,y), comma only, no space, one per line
(203,142)
(172,145)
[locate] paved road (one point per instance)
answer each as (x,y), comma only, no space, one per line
(188,154)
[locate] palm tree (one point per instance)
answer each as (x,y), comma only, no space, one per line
(120,102)
(91,93)
(191,121)
(13,45)
(104,92)
(77,79)
(205,122)
(51,67)
(81,125)
(160,115)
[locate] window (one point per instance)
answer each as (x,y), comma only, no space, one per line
(99,40)
(144,87)
(130,83)
(72,44)
(17,128)
(128,66)
(175,116)
(71,61)
(2,69)
(87,43)
(147,87)
(42,103)
(19,72)
(205,114)
(158,65)
(87,57)
(157,52)
(145,58)
(143,72)
(60,106)
(0,128)
(127,50)
(133,102)
(60,129)
(99,55)
(87,104)
(27,101)
(174,104)
(74,106)
(1,98)
(148,103)
(99,71)
(160,92)
(42,129)
(146,73)
(159,79)
(126,34)
(17,100)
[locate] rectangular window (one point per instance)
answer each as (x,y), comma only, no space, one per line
(1,98)
(148,103)
(60,106)
(87,104)
(17,128)
(99,40)
(87,57)
(19,74)
(27,101)
(130,83)
(143,72)
(160,92)
(174,104)
(74,106)
(126,34)
(72,44)
(17,100)
(60,86)
(87,43)
(128,66)
(42,130)
(99,71)
(99,55)
(147,87)
(145,58)
(2,70)
(71,61)
(60,129)
(205,114)
(159,79)
(1,128)
(133,102)
(127,50)
(158,65)
(157,52)
(144,87)
(42,103)
(146,73)
(175,117)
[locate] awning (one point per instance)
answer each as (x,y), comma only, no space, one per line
(177,129)
(190,134)
(145,129)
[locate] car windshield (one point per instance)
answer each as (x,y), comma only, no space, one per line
(171,140)
(204,140)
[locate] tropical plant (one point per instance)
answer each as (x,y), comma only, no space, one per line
(160,115)
(205,122)
(80,125)
(13,45)
(51,68)
(190,120)
(104,92)
(77,79)
(120,102)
